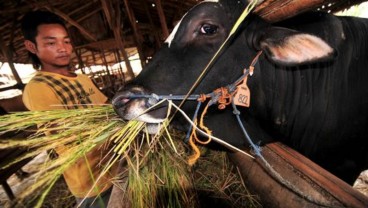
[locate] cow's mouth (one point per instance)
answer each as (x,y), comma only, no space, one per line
(140,109)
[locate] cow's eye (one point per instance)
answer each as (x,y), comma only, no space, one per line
(208,29)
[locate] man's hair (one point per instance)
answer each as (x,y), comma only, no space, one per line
(30,23)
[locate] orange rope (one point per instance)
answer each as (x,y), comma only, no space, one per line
(197,153)
(194,138)
(225,99)
(202,126)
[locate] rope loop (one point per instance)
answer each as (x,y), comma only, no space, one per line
(224,97)
(202,98)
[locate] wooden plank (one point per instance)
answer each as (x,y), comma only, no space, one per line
(277,10)
(307,184)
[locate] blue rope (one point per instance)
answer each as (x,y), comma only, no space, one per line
(193,118)
(255,148)
(163,97)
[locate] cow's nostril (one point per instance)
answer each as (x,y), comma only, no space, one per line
(120,101)
(125,100)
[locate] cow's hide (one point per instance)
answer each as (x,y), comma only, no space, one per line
(309,88)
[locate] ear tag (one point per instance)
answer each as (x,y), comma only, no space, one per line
(242,96)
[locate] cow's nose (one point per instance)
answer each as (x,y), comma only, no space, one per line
(121,99)
(131,102)
(125,96)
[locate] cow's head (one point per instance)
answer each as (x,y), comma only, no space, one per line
(195,40)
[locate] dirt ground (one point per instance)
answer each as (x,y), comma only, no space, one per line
(60,197)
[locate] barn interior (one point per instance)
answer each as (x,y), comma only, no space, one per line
(113,39)
(113,50)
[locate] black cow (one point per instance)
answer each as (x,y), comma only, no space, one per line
(309,88)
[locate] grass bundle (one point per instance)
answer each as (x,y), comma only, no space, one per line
(76,131)
(156,169)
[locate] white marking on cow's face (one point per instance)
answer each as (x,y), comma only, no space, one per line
(170,38)
(172,34)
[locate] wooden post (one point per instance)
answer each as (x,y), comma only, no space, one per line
(137,36)
(118,60)
(161,14)
(93,58)
(157,36)
(107,67)
(9,56)
(114,21)
(80,61)
(120,40)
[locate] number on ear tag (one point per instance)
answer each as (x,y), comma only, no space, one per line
(242,96)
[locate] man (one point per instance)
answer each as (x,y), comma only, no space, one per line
(56,86)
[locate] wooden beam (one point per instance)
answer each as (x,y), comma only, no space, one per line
(89,14)
(126,58)
(81,9)
(26,8)
(83,31)
(119,40)
(161,14)
(152,26)
(80,61)
(137,36)
(111,11)
(108,11)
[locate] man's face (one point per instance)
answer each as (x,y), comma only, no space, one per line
(53,46)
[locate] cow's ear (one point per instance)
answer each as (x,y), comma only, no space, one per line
(288,47)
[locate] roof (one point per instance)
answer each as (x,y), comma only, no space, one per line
(99,37)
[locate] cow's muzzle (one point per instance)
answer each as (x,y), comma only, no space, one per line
(129,105)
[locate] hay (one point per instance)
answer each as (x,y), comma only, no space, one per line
(158,174)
